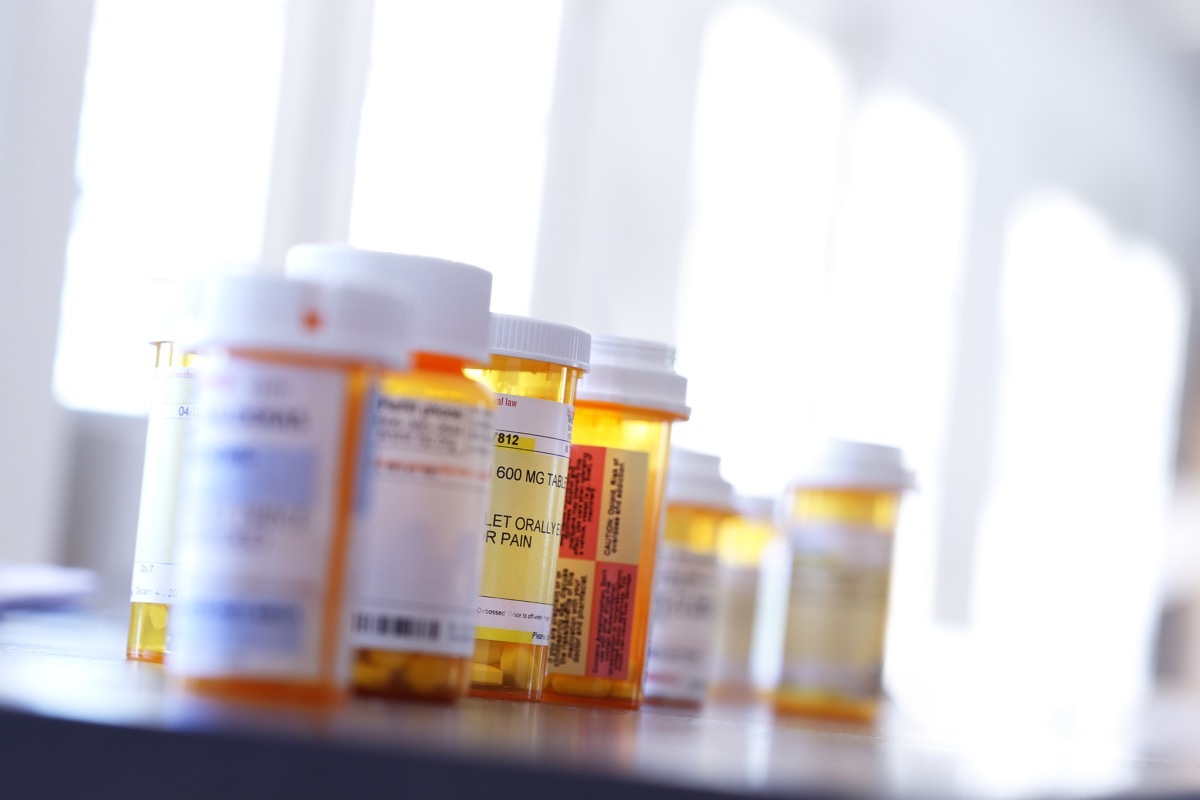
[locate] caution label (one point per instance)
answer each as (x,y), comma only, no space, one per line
(596,580)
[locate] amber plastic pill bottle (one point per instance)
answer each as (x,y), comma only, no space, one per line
(683,616)
(272,484)
(413,625)
(154,587)
(839,515)
(624,410)
(534,369)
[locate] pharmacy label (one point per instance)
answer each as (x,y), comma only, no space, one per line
(679,647)
(837,611)
(259,510)
(155,576)
(737,603)
(523,526)
(595,591)
(421,547)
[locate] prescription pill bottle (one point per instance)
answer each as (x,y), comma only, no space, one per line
(624,409)
(742,542)
(683,614)
(839,515)
(272,487)
(413,627)
(154,587)
(534,369)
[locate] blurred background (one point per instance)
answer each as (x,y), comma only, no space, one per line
(966,229)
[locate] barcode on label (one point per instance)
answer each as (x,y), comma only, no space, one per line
(398,627)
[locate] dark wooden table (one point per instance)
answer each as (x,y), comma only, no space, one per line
(78,720)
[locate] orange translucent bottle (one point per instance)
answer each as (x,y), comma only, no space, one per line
(840,516)
(413,626)
(534,370)
(624,409)
(742,543)
(154,587)
(683,618)
(272,487)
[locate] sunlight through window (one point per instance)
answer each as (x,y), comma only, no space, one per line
(453,141)
(768,120)
(891,314)
(174,157)
(1093,336)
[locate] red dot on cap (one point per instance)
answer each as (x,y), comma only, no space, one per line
(312,319)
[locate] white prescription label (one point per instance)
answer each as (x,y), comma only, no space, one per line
(259,509)
(837,611)
(534,425)
(155,576)
(421,548)
(737,600)
(679,648)
(524,523)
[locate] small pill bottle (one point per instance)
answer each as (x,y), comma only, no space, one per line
(624,409)
(534,369)
(742,542)
(413,626)
(154,587)
(839,515)
(272,487)
(683,615)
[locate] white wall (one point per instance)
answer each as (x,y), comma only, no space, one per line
(43,55)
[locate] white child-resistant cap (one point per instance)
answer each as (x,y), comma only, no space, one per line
(539,340)
(755,507)
(269,312)
(694,479)
(842,464)
(632,372)
(449,301)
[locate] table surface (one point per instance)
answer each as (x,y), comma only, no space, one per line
(77,719)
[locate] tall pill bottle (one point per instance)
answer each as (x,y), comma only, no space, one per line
(272,482)
(534,369)
(742,542)
(683,615)
(624,409)
(839,515)
(413,627)
(154,587)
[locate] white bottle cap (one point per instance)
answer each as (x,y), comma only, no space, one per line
(758,508)
(539,340)
(694,479)
(269,312)
(841,464)
(631,372)
(449,301)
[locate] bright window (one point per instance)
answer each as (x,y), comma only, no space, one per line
(174,154)
(454,135)
(767,128)
(889,317)
(1069,560)
(890,314)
